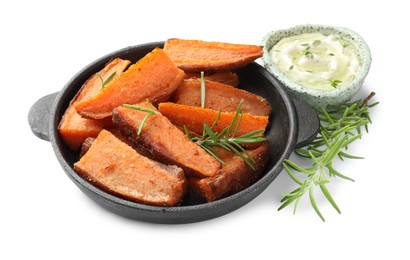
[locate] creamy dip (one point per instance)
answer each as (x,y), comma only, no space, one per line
(317,61)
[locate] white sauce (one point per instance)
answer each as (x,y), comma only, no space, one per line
(317,61)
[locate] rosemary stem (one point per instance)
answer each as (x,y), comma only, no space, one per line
(367,99)
(339,127)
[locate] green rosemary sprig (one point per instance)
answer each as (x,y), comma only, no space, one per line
(340,126)
(227,139)
(150,111)
(105,82)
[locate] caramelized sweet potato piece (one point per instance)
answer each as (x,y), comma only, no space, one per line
(73,128)
(164,142)
(90,140)
(235,175)
(155,77)
(194,117)
(224,77)
(196,55)
(117,168)
(220,97)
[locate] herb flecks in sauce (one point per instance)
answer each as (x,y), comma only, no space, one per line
(317,61)
(335,82)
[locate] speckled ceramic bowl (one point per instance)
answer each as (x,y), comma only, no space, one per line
(319,98)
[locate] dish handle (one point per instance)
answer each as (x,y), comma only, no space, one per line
(39,116)
(308,123)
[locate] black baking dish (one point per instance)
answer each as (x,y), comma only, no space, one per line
(292,124)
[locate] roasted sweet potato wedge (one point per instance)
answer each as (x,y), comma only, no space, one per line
(90,140)
(224,77)
(220,97)
(194,117)
(155,77)
(164,142)
(235,175)
(117,168)
(196,55)
(73,128)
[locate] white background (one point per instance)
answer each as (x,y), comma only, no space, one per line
(45,216)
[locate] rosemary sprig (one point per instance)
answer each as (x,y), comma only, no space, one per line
(105,82)
(340,126)
(227,139)
(150,111)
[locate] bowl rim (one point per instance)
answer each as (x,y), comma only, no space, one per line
(363,52)
(167,214)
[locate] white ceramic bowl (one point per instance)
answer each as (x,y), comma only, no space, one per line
(318,98)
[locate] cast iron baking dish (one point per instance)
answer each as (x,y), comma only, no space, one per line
(292,124)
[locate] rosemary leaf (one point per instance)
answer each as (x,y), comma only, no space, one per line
(142,124)
(151,111)
(346,155)
(101,79)
(105,82)
(338,174)
(211,134)
(217,119)
(108,79)
(252,134)
(212,153)
(187,132)
(223,145)
(296,205)
(305,153)
(235,117)
(327,116)
(314,204)
(334,150)
(143,109)
(243,150)
(238,123)
(246,160)
(329,197)
(292,175)
(297,167)
(289,199)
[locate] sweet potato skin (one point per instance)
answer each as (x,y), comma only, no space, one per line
(196,55)
(194,117)
(220,97)
(117,168)
(154,77)
(162,141)
(86,145)
(75,129)
(235,175)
